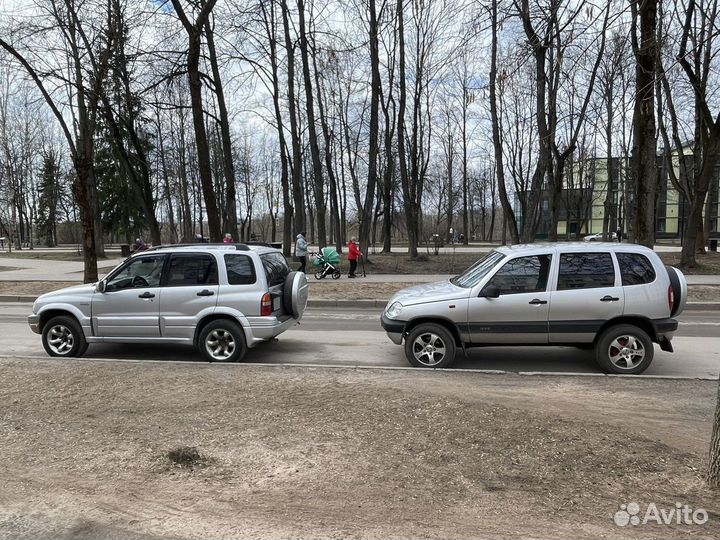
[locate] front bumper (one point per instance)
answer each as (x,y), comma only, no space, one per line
(395,329)
(34,322)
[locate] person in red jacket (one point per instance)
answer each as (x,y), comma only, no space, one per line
(354,254)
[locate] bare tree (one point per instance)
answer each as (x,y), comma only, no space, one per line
(644,14)
(194,32)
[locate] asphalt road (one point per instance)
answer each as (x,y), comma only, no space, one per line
(334,336)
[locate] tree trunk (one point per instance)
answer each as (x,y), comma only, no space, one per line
(296,164)
(227,154)
(713,475)
(288,210)
(318,181)
(644,141)
(194,32)
(508,214)
(375,91)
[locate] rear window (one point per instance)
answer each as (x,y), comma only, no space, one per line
(240,269)
(635,269)
(276,268)
(585,271)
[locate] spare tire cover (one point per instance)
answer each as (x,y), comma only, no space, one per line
(295,294)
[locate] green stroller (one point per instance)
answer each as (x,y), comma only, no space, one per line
(326,260)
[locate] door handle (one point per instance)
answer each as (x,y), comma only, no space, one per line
(205,292)
(146,295)
(609,298)
(537,302)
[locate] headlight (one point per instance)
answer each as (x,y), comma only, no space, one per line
(394,310)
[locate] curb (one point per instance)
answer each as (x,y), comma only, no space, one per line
(355,367)
(365,304)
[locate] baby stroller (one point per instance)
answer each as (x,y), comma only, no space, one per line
(326,260)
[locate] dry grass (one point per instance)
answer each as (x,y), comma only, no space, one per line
(312,453)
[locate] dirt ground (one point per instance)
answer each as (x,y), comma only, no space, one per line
(342,289)
(342,453)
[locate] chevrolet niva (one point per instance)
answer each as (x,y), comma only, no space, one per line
(616,298)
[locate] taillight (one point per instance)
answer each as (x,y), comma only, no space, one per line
(266,305)
(671,298)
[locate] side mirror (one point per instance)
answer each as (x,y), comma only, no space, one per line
(100,287)
(491,291)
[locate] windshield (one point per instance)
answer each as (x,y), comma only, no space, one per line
(473,275)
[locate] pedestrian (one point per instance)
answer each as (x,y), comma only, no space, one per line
(619,234)
(451,236)
(139,245)
(301,247)
(354,254)
(228,238)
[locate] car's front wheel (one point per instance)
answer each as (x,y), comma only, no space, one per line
(222,341)
(63,337)
(430,345)
(624,349)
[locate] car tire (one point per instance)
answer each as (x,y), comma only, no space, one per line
(624,349)
(295,294)
(430,345)
(62,337)
(222,340)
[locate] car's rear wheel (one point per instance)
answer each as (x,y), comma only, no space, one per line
(63,337)
(222,341)
(624,349)
(430,345)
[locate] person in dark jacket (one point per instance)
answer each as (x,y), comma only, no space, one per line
(354,254)
(139,246)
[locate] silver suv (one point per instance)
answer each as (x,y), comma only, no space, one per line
(617,298)
(222,299)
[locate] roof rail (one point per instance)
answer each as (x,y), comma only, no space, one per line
(238,246)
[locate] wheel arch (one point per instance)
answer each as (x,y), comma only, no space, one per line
(202,323)
(451,326)
(636,320)
(51,313)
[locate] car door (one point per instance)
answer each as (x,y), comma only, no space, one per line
(588,292)
(129,306)
(189,292)
(520,313)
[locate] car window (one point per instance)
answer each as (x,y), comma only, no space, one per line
(585,271)
(138,273)
(473,275)
(240,269)
(523,275)
(276,268)
(635,269)
(191,269)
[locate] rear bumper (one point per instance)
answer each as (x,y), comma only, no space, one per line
(664,332)
(265,328)
(395,329)
(664,327)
